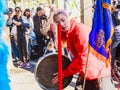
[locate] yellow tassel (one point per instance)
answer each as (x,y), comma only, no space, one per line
(107,63)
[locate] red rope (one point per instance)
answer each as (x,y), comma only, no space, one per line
(116,79)
(59,58)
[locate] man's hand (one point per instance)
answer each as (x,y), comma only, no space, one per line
(17,23)
(55,79)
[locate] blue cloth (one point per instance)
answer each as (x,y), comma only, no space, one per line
(14,49)
(33,36)
(33,39)
(4,51)
(101,34)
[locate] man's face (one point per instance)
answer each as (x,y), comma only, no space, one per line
(63,21)
(10,13)
(39,13)
(18,12)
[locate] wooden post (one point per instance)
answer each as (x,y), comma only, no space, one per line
(82,11)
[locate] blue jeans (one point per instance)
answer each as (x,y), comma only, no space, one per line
(14,48)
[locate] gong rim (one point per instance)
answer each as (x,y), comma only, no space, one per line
(66,81)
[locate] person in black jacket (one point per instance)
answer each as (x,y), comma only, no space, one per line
(21,40)
(116,35)
(37,21)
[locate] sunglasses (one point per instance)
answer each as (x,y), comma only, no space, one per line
(17,10)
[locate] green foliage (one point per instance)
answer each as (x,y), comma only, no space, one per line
(43,1)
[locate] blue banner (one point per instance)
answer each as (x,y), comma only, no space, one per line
(100,37)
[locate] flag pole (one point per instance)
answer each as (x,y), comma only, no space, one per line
(59,58)
(86,66)
(82,6)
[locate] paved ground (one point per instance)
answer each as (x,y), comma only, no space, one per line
(24,79)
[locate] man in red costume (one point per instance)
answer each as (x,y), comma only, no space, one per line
(98,76)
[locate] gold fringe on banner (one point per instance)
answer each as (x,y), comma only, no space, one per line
(106,6)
